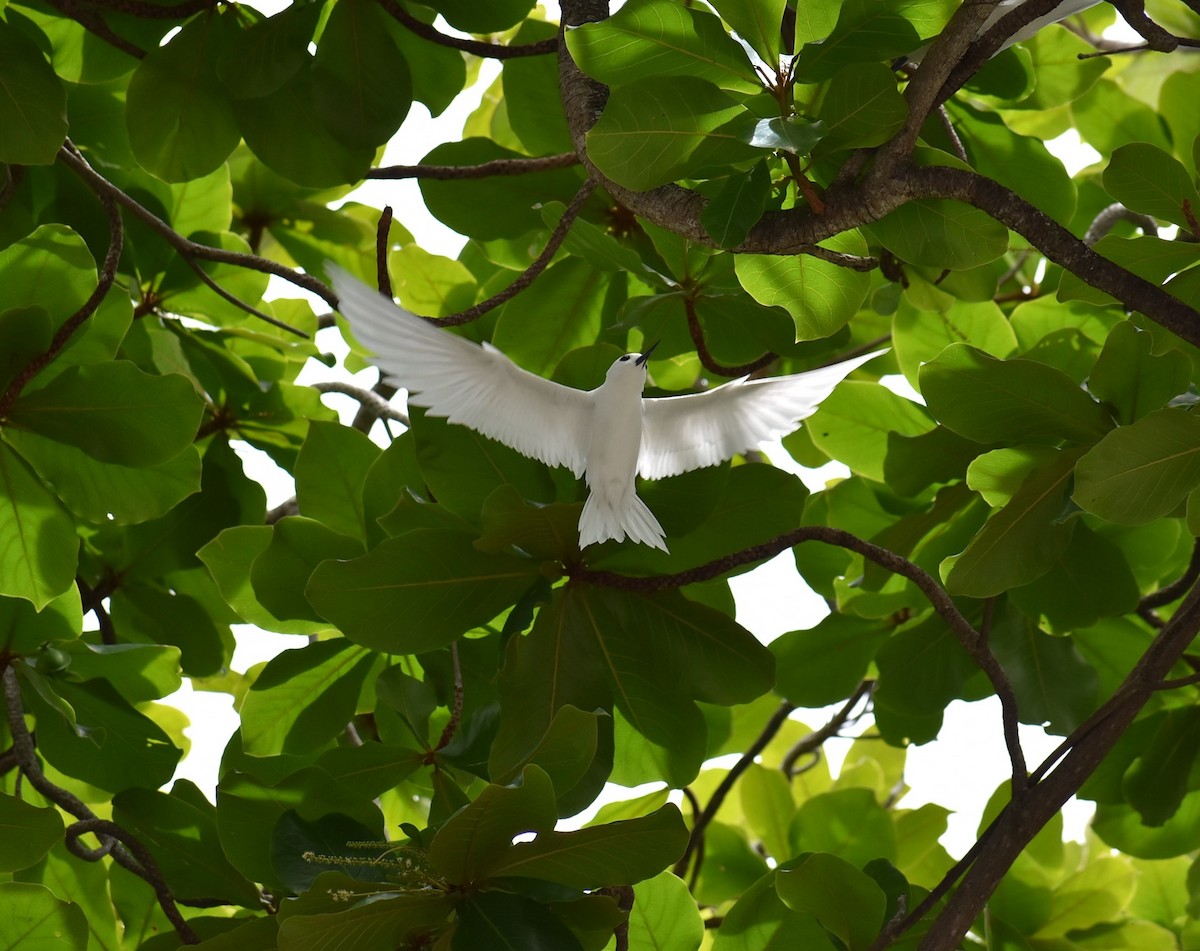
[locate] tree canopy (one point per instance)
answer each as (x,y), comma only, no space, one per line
(763,186)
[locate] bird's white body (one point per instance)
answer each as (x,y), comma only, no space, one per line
(608,436)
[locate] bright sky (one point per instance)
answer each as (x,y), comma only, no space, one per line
(959,770)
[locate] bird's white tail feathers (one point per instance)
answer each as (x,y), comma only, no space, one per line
(604,518)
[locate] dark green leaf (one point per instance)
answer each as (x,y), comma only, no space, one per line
(1122,828)
(181,124)
(302,849)
(1140,472)
(844,899)
(29,832)
(988,400)
(282,571)
(824,664)
(23,628)
(760,920)
(856,422)
(33,103)
(848,823)
(1133,378)
(419,591)
(859,107)
(734,210)
(509,923)
(115,413)
(260,58)
(38,546)
(1160,777)
(330,470)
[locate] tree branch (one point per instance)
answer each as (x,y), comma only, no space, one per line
(778,718)
(114,840)
(816,739)
(1104,221)
(373,404)
(511,166)
(95,25)
(707,360)
(190,249)
(474,47)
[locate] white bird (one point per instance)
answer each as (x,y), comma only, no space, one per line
(606,435)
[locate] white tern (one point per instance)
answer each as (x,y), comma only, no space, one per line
(606,435)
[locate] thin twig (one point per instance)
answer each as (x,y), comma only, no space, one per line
(527,276)
(1178,588)
(107,277)
(707,360)
(382,278)
(191,249)
(1104,221)
(372,403)
(778,718)
(814,740)
(512,166)
(474,47)
(95,25)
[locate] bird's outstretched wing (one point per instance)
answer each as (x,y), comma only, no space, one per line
(680,433)
(476,386)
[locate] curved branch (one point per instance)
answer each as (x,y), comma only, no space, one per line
(1178,588)
(190,249)
(95,25)
(511,166)
(474,47)
(527,276)
(107,277)
(372,403)
(1104,221)
(707,360)
(817,738)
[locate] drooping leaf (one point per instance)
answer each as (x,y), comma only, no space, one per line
(38,545)
(844,899)
(33,102)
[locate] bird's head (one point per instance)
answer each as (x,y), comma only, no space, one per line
(631,366)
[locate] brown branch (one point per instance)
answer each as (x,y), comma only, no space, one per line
(816,739)
(707,360)
(382,277)
(371,403)
(1178,588)
(474,47)
(1104,221)
(530,273)
(114,840)
(190,249)
(778,718)
(510,166)
(1075,761)
(1134,13)
(107,277)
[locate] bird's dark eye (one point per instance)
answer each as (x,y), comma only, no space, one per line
(624,358)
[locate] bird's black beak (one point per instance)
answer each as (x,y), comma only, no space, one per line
(641,361)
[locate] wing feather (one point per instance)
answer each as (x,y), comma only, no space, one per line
(475,386)
(680,433)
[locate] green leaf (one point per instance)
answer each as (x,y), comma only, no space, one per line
(362,88)
(848,823)
(480,835)
(1053,684)
(260,58)
(115,747)
(651,127)
(103,492)
(619,853)
(1146,179)
(867,32)
(51,268)
(115,413)
(301,848)
(38,546)
(180,830)
(792,134)
(23,628)
(664,916)
(32,919)
(1147,256)
(1018,400)
(419,591)
(564,753)
(1021,541)
(303,698)
(938,233)
(330,471)
(1159,778)
(859,107)
(379,925)
(509,922)
(845,900)
(33,102)
(1141,472)
(760,921)
(283,569)
(656,38)
(734,210)
(559,313)
(824,664)
(853,425)
(541,531)
(531,97)
(29,832)
(1098,893)
(820,296)
(1133,378)
(141,672)
(1121,827)
(919,335)
(766,799)
(287,132)
(758,22)
(181,124)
